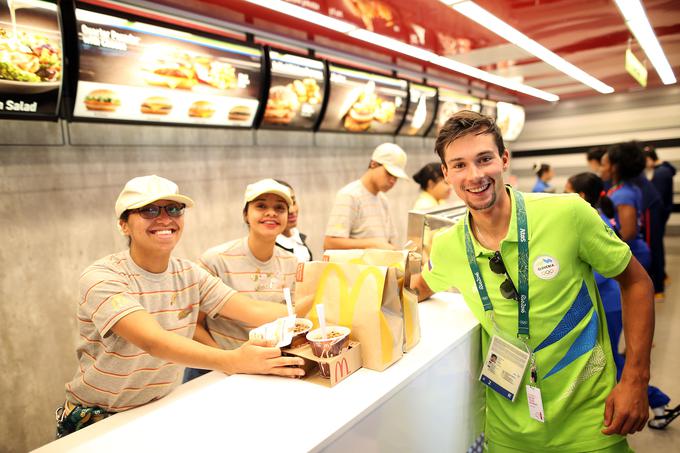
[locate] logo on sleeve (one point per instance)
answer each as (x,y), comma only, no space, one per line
(546,267)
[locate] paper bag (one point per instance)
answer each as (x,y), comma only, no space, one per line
(362,298)
(392,258)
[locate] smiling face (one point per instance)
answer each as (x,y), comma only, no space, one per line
(157,236)
(267,216)
(474,168)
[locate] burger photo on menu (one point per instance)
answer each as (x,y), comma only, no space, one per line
(202,109)
(282,105)
(102,100)
(156,105)
(240,113)
(171,69)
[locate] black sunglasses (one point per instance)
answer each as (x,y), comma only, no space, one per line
(151,211)
(497,266)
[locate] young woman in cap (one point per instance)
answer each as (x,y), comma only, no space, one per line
(138,311)
(434,188)
(252,264)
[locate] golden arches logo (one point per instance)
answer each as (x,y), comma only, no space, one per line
(348,300)
(341,369)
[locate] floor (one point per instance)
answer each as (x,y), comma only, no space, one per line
(665,371)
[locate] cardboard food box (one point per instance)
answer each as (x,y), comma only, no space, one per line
(340,366)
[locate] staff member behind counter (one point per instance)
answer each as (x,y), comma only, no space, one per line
(360,217)
(252,264)
(523,263)
(138,310)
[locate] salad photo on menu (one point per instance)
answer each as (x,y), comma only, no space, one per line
(30,57)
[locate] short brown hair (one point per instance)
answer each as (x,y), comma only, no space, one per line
(464,123)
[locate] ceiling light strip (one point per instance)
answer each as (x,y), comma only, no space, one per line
(484,18)
(392,44)
(634,14)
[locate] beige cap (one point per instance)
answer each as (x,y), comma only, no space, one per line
(392,157)
(268,185)
(142,190)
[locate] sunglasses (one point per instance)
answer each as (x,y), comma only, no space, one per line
(151,211)
(497,266)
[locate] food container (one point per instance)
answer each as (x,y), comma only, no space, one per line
(302,326)
(337,340)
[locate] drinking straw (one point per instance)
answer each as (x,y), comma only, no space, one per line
(289,303)
(322,320)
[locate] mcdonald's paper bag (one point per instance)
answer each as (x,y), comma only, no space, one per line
(397,259)
(363,298)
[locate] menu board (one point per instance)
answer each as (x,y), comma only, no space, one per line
(510,120)
(451,102)
(140,72)
(421,109)
(30,59)
(296,92)
(488,108)
(364,102)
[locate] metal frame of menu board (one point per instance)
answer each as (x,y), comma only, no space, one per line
(259,120)
(427,127)
(330,94)
(75,66)
(60,96)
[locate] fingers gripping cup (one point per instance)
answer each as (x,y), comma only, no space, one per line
(337,340)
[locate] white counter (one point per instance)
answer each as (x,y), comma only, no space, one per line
(430,400)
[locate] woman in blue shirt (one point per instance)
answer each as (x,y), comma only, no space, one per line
(544,173)
(621,165)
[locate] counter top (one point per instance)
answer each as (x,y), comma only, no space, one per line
(269,413)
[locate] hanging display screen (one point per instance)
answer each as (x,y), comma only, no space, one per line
(421,109)
(510,120)
(296,92)
(451,102)
(136,71)
(364,102)
(488,108)
(30,59)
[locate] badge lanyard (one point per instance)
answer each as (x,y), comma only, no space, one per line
(523,266)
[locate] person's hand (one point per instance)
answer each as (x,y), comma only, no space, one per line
(626,408)
(260,358)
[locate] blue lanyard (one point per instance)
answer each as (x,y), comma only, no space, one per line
(523,266)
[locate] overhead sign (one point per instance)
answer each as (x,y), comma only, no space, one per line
(635,68)
(141,72)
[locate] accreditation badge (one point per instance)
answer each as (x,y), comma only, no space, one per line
(504,367)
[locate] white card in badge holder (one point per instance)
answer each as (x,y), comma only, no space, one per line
(535,403)
(504,367)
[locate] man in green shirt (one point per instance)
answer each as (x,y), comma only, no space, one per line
(524,263)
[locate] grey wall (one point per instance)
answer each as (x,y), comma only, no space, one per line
(58,184)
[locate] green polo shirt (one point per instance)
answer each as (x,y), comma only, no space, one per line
(576,372)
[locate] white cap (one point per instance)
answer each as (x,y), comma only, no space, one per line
(392,157)
(268,185)
(143,190)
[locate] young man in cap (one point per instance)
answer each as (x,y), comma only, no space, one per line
(138,310)
(251,264)
(524,265)
(360,217)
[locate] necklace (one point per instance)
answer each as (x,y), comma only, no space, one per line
(480,236)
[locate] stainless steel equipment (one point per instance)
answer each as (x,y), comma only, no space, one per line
(422,225)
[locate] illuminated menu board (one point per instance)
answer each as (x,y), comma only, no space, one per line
(296,92)
(488,108)
(510,120)
(421,109)
(451,102)
(30,59)
(364,102)
(140,72)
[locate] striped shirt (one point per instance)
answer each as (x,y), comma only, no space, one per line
(236,265)
(357,213)
(113,373)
